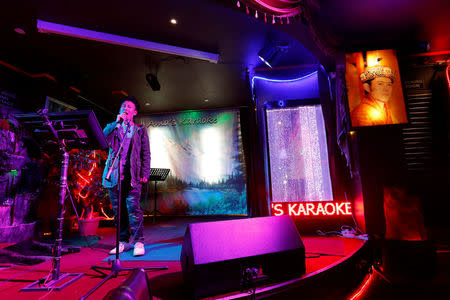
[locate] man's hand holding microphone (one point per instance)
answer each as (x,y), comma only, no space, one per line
(122,117)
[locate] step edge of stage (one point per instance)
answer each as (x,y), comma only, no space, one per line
(280,287)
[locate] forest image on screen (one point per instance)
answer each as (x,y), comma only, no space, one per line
(203,150)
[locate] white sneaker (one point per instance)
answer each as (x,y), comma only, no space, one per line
(139,249)
(122,247)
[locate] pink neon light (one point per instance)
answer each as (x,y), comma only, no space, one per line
(447,74)
(86,180)
(363,287)
(83,196)
(432,53)
(26,73)
(328,208)
(273,8)
(94,165)
(285,11)
(289,1)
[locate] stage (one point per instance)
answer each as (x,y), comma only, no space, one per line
(327,257)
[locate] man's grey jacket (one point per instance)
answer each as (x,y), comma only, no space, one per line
(139,157)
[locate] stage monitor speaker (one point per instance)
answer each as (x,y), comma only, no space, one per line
(216,256)
(135,287)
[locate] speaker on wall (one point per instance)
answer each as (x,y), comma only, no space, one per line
(216,255)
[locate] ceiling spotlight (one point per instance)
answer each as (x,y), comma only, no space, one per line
(173,21)
(153,81)
(206,100)
(271,53)
(147,103)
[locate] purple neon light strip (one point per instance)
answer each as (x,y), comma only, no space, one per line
(281,80)
(48,27)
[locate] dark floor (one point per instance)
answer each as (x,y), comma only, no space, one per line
(165,284)
(402,271)
(411,270)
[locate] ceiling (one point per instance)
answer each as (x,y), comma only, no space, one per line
(385,23)
(102,73)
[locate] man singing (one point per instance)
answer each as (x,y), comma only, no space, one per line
(134,160)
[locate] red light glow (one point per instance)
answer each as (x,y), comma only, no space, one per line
(85,179)
(328,208)
(362,288)
(447,74)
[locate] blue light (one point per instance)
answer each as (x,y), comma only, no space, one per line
(266,62)
(329,82)
(281,80)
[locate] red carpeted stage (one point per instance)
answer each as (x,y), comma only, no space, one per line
(327,258)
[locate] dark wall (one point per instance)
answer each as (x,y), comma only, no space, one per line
(380,165)
(428,166)
(19,91)
(412,157)
(28,94)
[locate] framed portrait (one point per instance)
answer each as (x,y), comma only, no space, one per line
(374,88)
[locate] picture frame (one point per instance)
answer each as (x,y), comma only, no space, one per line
(374,88)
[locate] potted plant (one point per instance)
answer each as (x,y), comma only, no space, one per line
(86,174)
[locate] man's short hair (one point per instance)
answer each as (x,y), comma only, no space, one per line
(132,99)
(377,71)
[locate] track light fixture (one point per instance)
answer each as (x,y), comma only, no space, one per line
(153,81)
(77,32)
(271,53)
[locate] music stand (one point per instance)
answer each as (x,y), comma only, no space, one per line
(70,130)
(157,175)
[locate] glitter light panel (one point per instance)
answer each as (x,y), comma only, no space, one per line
(298,154)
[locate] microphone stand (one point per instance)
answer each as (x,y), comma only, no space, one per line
(59,281)
(116,265)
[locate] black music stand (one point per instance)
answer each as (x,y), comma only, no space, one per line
(70,130)
(157,175)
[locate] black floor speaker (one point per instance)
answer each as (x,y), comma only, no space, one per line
(224,256)
(136,287)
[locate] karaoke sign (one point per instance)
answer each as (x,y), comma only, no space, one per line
(311,209)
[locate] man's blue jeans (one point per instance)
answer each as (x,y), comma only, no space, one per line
(131,217)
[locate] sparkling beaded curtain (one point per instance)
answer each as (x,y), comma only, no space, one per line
(298,155)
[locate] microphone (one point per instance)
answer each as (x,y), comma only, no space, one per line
(121,119)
